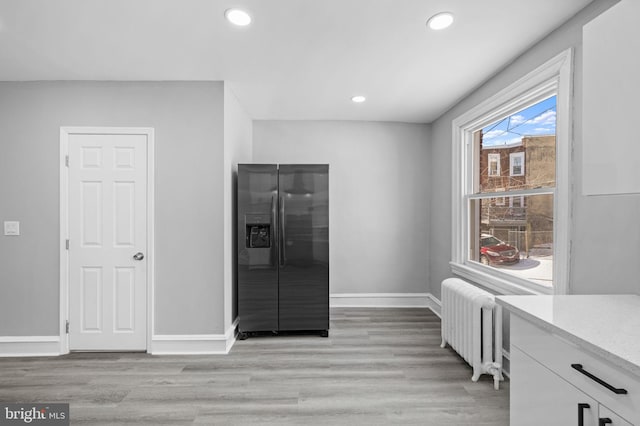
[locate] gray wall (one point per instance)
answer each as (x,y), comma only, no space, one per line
(238,143)
(595,220)
(379,208)
(188,122)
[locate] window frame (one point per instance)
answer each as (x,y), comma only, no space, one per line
(520,200)
(500,201)
(512,157)
(553,77)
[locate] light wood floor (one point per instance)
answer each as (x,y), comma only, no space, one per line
(378,367)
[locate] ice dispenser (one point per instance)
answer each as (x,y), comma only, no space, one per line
(258,231)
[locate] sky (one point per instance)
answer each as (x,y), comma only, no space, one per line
(538,119)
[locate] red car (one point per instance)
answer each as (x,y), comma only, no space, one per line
(496,252)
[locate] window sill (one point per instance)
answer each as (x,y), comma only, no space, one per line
(498,282)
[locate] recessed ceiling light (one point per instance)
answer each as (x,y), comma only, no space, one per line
(358,99)
(440,21)
(238,17)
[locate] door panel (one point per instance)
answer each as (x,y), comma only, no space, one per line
(124,209)
(91,214)
(304,254)
(91,297)
(257,248)
(107,226)
(124,295)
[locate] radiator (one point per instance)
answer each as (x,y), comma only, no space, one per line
(472,325)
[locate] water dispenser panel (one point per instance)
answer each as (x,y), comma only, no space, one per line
(257,230)
(259,235)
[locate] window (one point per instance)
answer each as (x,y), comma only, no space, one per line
(522,232)
(499,201)
(516,202)
(494,164)
(516,159)
(519,246)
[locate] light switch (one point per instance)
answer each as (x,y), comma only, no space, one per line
(11,228)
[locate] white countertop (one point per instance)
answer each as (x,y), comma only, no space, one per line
(607,325)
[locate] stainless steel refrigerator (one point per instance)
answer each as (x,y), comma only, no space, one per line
(283,248)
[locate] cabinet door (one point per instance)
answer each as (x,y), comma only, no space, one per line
(604,413)
(610,78)
(540,397)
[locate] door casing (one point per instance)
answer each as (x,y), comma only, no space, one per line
(65,132)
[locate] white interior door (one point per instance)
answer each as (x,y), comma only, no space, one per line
(107,242)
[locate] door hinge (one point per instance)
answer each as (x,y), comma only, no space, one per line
(66,160)
(67,326)
(67,244)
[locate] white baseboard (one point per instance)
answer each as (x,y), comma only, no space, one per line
(384,300)
(29,346)
(435,305)
(193,344)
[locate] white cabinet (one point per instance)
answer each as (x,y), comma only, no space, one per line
(611,43)
(553,382)
(541,397)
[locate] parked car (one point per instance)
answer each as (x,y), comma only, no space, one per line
(496,252)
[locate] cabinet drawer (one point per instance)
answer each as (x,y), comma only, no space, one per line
(558,354)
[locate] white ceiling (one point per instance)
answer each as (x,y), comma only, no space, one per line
(299,59)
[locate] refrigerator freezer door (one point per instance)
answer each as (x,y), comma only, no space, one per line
(303,247)
(257,245)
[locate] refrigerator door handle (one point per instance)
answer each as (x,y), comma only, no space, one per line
(275,244)
(281,247)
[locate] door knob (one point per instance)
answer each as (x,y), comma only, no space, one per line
(138,256)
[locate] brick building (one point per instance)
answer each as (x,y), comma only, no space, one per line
(521,221)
